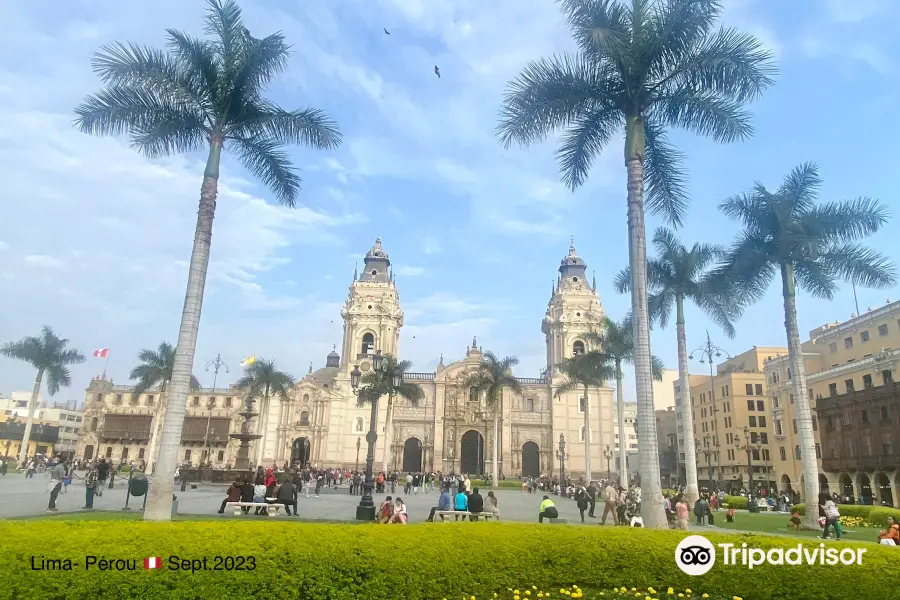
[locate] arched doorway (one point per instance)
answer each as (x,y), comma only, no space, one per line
(412,455)
(300,451)
(471,453)
(823,484)
(883,486)
(786,483)
(531,460)
(89,452)
(846,486)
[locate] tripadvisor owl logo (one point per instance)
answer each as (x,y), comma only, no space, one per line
(696,555)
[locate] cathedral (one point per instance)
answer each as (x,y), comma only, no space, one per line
(450,429)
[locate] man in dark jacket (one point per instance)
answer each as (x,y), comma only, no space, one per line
(246,493)
(102,474)
(233,495)
(591,498)
(286,496)
(476,504)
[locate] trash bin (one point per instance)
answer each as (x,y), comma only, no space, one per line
(174,508)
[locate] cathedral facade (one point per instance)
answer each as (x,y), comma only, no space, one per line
(451,429)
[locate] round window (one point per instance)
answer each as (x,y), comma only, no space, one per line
(575,279)
(374,272)
(370,307)
(577,314)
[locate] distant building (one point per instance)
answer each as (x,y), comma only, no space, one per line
(840,359)
(667,440)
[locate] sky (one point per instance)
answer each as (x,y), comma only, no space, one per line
(95,238)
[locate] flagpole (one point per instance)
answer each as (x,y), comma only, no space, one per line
(105,363)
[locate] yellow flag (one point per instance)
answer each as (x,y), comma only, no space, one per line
(248,361)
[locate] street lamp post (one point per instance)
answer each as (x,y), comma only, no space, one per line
(706,353)
(358,444)
(215,366)
(607,454)
(365,511)
(708,452)
(562,456)
(8,427)
(126,439)
(749,448)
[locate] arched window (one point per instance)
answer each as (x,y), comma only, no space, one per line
(368,343)
(789,373)
(304,418)
(581,434)
(359,426)
(577,348)
(109,452)
(94,425)
(473,395)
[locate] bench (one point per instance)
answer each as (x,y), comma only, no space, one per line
(487,516)
(272,509)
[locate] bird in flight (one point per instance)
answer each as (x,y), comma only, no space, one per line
(386,31)
(437,71)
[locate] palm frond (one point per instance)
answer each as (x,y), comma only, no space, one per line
(47,352)
(622,281)
(308,127)
(600,29)
(845,221)
(679,27)
(551,94)
(707,114)
(664,176)
(259,63)
(748,266)
(801,187)
(265,159)
(860,265)
(224,21)
(197,59)
(814,277)
(585,139)
(656,367)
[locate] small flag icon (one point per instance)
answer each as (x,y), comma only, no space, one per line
(248,361)
(154,562)
(101,353)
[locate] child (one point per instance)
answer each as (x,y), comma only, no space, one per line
(729,516)
(795,521)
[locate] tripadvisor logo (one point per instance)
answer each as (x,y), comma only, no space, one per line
(696,555)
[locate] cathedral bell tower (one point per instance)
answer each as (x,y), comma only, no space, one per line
(371,313)
(574,310)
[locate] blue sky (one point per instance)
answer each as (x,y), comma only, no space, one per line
(95,238)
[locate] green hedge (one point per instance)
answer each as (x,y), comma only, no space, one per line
(876,515)
(423,561)
(736,502)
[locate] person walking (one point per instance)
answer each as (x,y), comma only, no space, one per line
(581,500)
(57,474)
(832,516)
(610,496)
(90,486)
(591,498)
(102,474)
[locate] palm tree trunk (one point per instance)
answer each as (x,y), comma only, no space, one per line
(29,419)
(388,433)
(159,500)
(623,435)
(588,476)
(804,413)
(263,425)
(154,432)
(692,489)
(495,468)
(652,506)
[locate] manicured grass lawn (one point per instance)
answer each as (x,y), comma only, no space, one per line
(777,523)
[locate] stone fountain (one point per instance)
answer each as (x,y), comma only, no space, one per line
(242,460)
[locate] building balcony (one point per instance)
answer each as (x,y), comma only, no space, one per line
(885,359)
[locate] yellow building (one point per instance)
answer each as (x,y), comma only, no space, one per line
(731,416)
(43,437)
(859,353)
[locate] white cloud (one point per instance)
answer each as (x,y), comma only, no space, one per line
(409,271)
(844,11)
(42,260)
(431,246)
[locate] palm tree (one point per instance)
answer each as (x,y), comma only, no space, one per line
(493,375)
(263,380)
(643,66)
(616,341)
(584,371)
(48,354)
(675,275)
(812,246)
(381,383)
(155,371)
(198,95)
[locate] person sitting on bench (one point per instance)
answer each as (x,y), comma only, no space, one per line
(443,504)
(548,510)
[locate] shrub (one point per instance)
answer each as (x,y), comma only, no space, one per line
(343,562)
(876,515)
(736,502)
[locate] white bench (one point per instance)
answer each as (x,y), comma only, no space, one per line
(272,509)
(487,516)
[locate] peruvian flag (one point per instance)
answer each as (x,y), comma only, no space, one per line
(101,353)
(154,562)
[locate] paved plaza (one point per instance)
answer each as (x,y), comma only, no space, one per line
(20,497)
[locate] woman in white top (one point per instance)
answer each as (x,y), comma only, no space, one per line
(491,505)
(832,516)
(399,515)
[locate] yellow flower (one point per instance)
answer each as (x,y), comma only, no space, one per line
(651,590)
(534,587)
(562,591)
(527,592)
(540,595)
(737,598)
(516,592)
(688,592)
(705,596)
(472,598)
(516,597)
(681,595)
